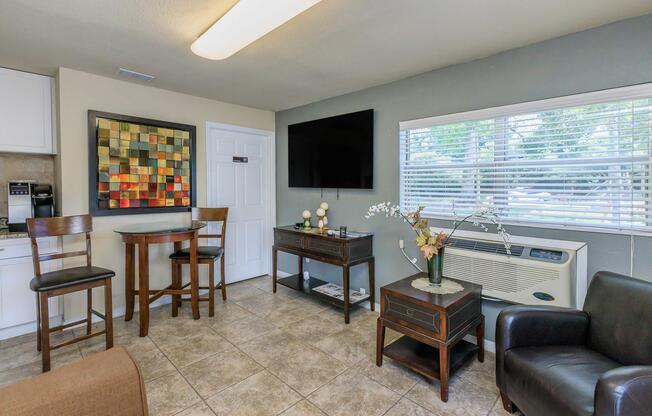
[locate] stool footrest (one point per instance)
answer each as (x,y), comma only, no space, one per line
(68,325)
(77,339)
(201,299)
(99,315)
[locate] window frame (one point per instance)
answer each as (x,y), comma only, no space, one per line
(634,92)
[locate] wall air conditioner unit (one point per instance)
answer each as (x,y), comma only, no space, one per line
(536,272)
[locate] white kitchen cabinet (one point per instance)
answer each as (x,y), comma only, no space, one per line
(26,112)
(17,301)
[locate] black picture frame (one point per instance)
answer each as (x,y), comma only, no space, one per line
(93,172)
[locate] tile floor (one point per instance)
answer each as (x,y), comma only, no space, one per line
(270,354)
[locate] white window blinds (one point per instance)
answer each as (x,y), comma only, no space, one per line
(583,165)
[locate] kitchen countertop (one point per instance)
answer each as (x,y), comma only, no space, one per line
(6,235)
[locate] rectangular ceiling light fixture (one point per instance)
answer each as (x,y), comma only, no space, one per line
(247,21)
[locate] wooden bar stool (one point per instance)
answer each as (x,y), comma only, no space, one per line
(60,282)
(205,255)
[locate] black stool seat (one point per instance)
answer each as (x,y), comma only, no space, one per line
(69,277)
(203,252)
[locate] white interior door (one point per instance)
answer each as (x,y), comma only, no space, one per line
(239,167)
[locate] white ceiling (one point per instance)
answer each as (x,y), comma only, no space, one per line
(338,46)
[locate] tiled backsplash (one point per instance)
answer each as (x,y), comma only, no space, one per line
(23,166)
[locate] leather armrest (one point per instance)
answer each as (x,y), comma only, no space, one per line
(527,326)
(624,391)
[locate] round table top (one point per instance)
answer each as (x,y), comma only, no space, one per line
(159,228)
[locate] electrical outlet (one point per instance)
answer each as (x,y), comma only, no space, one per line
(363,290)
(307,260)
(401,244)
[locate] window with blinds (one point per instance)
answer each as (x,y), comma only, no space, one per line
(583,165)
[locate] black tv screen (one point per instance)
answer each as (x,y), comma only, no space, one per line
(333,152)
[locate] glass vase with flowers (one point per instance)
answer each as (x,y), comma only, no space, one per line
(431,244)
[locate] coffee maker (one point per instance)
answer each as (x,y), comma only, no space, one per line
(19,204)
(27,199)
(42,200)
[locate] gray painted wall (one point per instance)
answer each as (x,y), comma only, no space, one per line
(610,56)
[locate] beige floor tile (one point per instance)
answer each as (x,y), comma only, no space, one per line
(170,394)
(25,352)
(364,320)
(11,342)
(245,329)
(152,362)
(241,291)
(311,303)
(217,372)
(200,409)
(464,398)
(184,347)
(481,374)
(15,374)
(357,314)
(304,345)
(390,374)
(125,328)
(226,312)
(286,314)
(179,326)
(263,283)
(352,393)
(121,328)
(266,303)
(314,328)
(303,408)
(349,346)
(306,370)
(406,407)
(270,346)
(260,395)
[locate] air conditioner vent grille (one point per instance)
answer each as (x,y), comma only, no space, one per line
(498,276)
(496,248)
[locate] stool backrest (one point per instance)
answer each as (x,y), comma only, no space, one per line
(212,215)
(56,227)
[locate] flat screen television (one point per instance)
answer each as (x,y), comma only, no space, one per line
(333,152)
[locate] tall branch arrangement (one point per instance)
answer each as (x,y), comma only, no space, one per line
(430,244)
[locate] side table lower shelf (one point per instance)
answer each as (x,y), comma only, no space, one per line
(297,282)
(424,359)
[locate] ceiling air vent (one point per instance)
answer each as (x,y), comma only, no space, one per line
(134,75)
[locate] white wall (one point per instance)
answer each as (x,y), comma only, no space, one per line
(77,93)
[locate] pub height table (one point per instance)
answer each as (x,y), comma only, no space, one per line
(142,235)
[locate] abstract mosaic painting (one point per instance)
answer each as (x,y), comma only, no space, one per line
(140,165)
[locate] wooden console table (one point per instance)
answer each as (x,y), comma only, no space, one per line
(343,252)
(434,325)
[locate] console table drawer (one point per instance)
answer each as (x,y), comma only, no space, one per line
(328,248)
(398,309)
(291,240)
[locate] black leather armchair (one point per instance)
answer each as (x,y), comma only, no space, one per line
(566,362)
